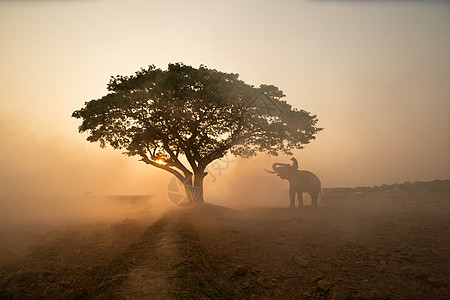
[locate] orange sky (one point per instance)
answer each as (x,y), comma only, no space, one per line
(376,73)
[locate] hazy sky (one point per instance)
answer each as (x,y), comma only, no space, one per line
(376,73)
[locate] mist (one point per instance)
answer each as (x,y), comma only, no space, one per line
(245,184)
(78,221)
(49,179)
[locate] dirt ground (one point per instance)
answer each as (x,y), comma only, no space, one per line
(386,245)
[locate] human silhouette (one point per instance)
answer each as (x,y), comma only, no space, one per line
(294,163)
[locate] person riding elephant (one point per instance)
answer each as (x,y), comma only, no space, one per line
(294,163)
(300,182)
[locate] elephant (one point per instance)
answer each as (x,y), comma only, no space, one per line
(299,182)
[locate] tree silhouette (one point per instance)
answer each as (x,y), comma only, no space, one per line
(185,116)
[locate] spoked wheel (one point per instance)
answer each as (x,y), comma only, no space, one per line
(177,194)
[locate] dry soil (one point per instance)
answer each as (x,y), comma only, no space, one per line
(390,245)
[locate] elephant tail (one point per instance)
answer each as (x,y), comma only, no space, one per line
(323,198)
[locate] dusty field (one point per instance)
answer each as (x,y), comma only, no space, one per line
(360,246)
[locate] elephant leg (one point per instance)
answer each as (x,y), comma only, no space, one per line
(292,197)
(314,200)
(300,199)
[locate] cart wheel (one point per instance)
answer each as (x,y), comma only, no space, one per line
(177,194)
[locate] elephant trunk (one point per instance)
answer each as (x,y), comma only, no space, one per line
(278,166)
(270,171)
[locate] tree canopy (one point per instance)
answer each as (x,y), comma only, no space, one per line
(201,114)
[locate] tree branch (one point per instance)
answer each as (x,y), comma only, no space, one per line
(175,160)
(164,167)
(218,152)
(186,148)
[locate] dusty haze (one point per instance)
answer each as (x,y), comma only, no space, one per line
(80,222)
(375,72)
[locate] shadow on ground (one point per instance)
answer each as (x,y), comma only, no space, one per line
(360,246)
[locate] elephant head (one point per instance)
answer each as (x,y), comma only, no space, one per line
(284,171)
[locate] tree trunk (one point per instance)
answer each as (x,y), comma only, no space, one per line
(194,192)
(198,186)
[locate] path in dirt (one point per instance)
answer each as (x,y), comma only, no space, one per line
(364,246)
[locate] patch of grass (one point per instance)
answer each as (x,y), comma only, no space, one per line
(195,276)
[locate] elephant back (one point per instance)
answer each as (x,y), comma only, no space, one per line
(307,180)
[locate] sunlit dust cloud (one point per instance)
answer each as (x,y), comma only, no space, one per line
(48,178)
(246,184)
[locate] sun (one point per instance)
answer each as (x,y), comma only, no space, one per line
(161,162)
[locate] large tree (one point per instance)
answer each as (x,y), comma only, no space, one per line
(182,119)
